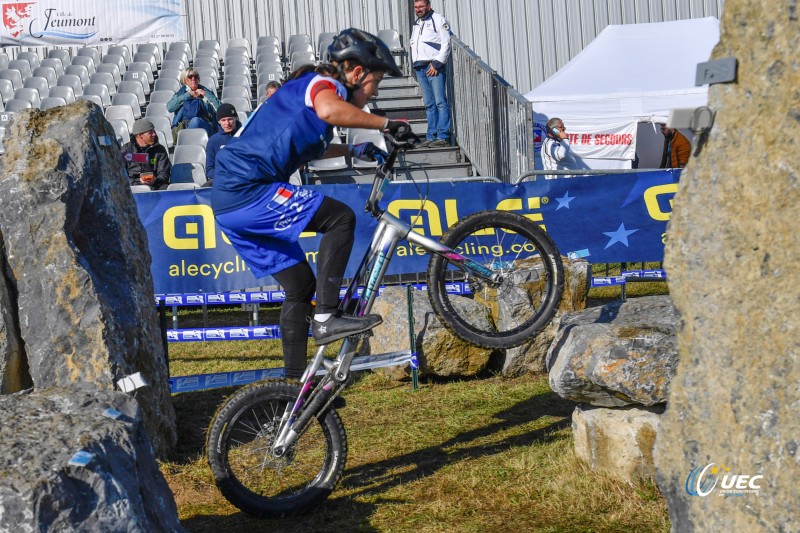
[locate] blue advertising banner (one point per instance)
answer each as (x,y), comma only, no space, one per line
(605,219)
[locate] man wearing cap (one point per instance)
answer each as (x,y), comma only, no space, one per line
(229,124)
(146,160)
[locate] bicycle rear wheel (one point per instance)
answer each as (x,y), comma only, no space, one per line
(520,305)
(246,472)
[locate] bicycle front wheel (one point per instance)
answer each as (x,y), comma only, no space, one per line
(246,472)
(526,295)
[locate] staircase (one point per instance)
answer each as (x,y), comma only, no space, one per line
(399,98)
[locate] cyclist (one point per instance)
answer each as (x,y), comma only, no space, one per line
(263,215)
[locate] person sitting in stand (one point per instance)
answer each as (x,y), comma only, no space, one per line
(194,105)
(146,160)
(271,88)
(229,124)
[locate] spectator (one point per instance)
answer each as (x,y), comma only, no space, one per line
(194,105)
(430,50)
(271,88)
(556,153)
(146,160)
(229,124)
(676,148)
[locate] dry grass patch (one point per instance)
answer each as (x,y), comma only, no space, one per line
(493,454)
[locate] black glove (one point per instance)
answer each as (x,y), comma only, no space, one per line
(366,151)
(400,130)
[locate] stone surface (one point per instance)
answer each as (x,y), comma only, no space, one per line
(79,262)
(622,353)
(731,258)
(440,352)
(14,373)
(120,490)
(531,356)
(618,441)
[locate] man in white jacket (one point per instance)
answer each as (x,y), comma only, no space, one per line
(430,50)
(556,154)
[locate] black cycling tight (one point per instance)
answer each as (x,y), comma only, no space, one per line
(337,223)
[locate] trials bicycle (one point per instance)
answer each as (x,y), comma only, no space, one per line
(279,447)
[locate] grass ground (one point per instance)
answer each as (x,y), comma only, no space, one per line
(488,454)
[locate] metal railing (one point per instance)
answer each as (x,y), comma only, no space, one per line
(492,121)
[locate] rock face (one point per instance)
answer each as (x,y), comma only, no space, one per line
(617,441)
(440,352)
(120,490)
(731,257)
(530,356)
(622,353)
(78,261)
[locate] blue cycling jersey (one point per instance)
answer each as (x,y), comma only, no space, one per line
(278,138)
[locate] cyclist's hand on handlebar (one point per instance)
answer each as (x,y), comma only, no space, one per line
(400,131)
(367,152)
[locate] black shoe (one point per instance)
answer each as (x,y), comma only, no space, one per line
(439,143)
(339,327)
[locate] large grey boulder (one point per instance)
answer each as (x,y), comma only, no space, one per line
(79,262)
(623,353)
(734,275)
(531,356)
(119,490)
(440,353)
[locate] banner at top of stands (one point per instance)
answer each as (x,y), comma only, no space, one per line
(605,219)
(88,22)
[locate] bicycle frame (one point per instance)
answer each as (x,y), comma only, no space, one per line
(369,275)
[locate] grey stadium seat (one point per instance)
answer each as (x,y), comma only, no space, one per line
(123,112)
(158,110)
(63,91)
(121,50)
(129,100)
(241,104)
(47,73)
(150,48)
(167,84)
(107,79)
(15,105)
(71,80)
(101,90)
(22,66)
(54,63)
(161,97)
(80,71)
(61,54)
(31,57)
(6,90)
(185,173)
(51,101)
(90,52)
(29,94)
(40,84)
(196,136)
(13,75)
(133,87)
(112,69)
(87,62)
(163,124)
(189,153)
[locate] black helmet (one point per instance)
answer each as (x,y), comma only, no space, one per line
(365,49)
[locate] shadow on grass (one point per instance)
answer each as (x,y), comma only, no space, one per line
(345,513)
(431,459)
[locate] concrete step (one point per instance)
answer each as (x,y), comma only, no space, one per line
(395,102)
(399,91)
(402,81)
(430,156)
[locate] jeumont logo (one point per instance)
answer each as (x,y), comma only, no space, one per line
(703,480)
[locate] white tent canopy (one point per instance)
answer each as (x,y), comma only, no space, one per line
(628,74)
